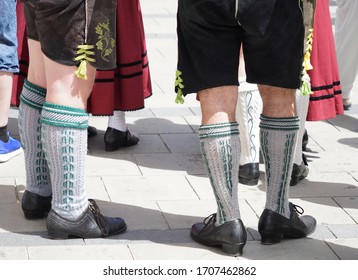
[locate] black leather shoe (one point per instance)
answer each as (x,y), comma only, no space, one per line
(91,224)
(347,104)
(115,139)
(305,140)
(273,226)
(35,206)
(249,174)
(91,131)
(299,172)
(231,236)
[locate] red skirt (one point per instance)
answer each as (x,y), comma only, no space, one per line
(23,54)
(123,88)
(326,100)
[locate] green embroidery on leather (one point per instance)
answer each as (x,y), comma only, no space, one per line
(106,42)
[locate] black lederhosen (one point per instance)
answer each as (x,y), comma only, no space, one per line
(210,35)
(62,25)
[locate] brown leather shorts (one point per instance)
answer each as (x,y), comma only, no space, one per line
(61,26)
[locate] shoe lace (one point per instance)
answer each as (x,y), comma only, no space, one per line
(208,221)
(304,159)
(98,216)
(298,209)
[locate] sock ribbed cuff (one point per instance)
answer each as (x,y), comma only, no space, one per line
(33,95)
(64,116)
(218,130)
(284,124)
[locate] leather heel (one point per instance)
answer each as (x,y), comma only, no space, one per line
(249,174)
(233,248)
(34,215)
(270,238)
(248,182)
(57,234)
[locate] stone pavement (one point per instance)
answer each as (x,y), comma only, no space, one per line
(160,188)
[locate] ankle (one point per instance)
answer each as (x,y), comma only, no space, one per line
(4,135)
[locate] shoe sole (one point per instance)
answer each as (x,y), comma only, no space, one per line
(112,148)
(8,156)
(346,108)
(61,235)
(35,215)
(232,249)
(268,238)
(248,182)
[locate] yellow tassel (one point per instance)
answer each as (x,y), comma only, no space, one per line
(307,61)
(306,84)
(81,72)
(84,55)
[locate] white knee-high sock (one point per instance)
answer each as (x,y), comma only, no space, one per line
(220,146)
(38,179)
(64,138)
(118,121)
(248,110)
(302,108)
(278,142)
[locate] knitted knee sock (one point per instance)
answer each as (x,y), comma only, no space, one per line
(220,146)
(37,173)
(248,110)
(302,108)
(278,140)
(118,121)
(64,138)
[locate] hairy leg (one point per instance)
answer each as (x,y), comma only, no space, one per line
(220,146)
(277,102)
